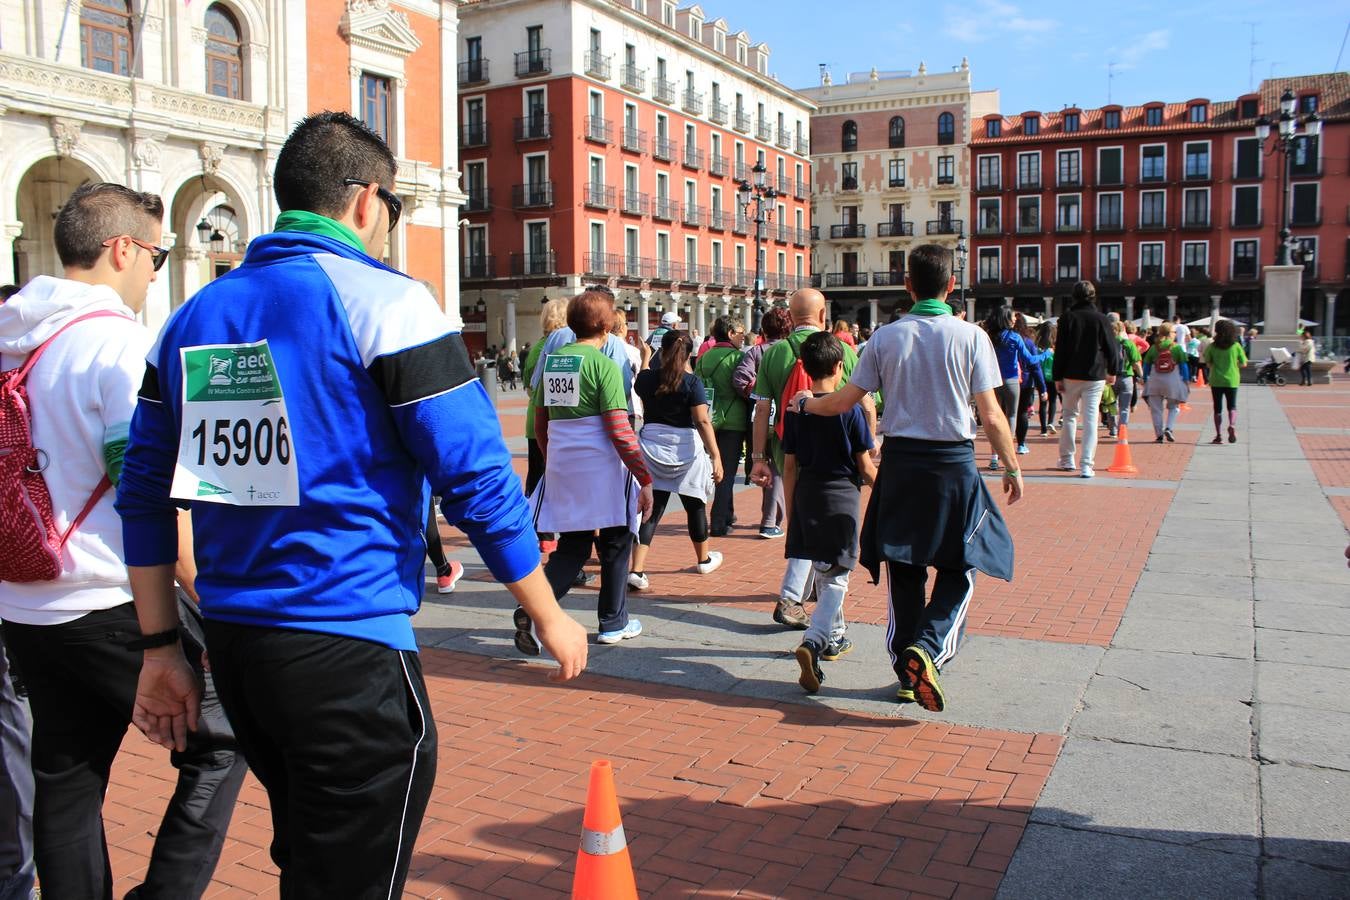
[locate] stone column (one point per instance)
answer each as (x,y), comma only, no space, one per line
(970,309)
(510,336)
(1329,323)
(644,301)
(9,233)
(1171,306)
(1049,306)
(146,149)
(1214,301)
(1129,308)
(1284,286)
(1147,317)
(873,311)
(725,305)
(701,315)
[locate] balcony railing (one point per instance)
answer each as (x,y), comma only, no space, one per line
(478,267)
(601,263)
(534,128)
(665,91)
(848,183)
(720,275)
(782,233)
(1245,273)
(801,237)
(473,134)
(1068,227)
(473,71)
(803,189)
(665,270)
(803,146)
(1069,181)
(815,234)
(718,113)
(635,203)
(1248,221)
(742,121)
(1029,227)
(633,79)
(693,157)
(895,229)
(479,200)
(1067,274)
(784,185)
(742,278)
(988,187)
(1111,225)
(988,228)
(696,274)
(534,62)
(666,210)
(598,196)
(717,165)
(638,267)
(1196,176)
(838,232)
(532,195)
(717,220)
(692,103)
(742,170)
(663,149)
(816,280)
(741,225)
(784,138)
(895,182)
(1151,274)
(1109,275)
(598,65)
(634,139)
(1029,184)
(763,131)
(1030,275)
(600,130)
(888,279)
(845,279)
(527,264)
(693,215)
(945,226)
(1195,274)
(946,179)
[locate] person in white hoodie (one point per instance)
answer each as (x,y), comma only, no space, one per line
(74,640)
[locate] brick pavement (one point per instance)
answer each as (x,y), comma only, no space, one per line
(721,795)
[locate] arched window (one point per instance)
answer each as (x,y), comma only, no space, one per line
(105,36)
(946,129)
(897,131)
(850,135)
(224,54)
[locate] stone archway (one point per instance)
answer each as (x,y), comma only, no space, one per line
(199,257)
(43,190)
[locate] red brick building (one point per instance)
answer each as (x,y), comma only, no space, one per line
(1173,207)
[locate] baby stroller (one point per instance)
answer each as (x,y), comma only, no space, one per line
(1269,373)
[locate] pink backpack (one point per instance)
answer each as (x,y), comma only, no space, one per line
(33,546)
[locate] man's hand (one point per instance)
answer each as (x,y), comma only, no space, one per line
(645,502)
(168,698)
(798,398)
(1012,487)
(761,474)
(1110,379)
(565,640)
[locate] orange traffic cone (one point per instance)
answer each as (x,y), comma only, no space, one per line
(1200,378)
(1123,463)
(604,871)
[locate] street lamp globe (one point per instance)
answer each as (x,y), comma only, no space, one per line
(759,172)
(1262,128)
(1287,102)
(1313,125)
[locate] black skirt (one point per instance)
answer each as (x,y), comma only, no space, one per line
(929,507)
(824,522)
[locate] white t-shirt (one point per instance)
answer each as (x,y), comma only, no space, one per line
(1181,333)
(928,368)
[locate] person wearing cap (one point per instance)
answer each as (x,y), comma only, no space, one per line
(669,322)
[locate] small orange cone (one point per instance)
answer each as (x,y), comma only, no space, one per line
(604,871)
(1200,378)
(1123,463)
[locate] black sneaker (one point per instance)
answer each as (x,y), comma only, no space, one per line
(583,578)
(526,642)
(1167,433)
(812,678)
(835,649)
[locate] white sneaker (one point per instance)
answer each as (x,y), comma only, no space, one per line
(1086,473)
(714,561)
(638,582)
(631,630)
(1067,466)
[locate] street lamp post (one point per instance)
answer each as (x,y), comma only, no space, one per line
(961,265)
(760,195)
(1289,127)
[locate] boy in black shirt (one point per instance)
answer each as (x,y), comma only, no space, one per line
(826,461)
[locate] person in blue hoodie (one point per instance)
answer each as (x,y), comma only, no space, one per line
(1014,356)
(304,407)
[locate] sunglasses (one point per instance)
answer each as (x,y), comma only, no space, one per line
(395,205)
(157,254)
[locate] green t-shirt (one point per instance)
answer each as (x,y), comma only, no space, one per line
(1225,365)
(1178,352)
(1130,354)
(527,371)
(774,369)
(730,412)
(598,383)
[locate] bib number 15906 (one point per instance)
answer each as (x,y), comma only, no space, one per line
(242,441)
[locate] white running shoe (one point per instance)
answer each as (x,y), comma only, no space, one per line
(712,564)
(638,582)
(631,630)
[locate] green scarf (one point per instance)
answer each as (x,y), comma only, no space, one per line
(931,308)
(303,220)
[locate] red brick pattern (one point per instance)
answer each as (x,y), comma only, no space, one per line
(720,795)
(1330,457)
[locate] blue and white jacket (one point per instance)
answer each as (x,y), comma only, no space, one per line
(382,400)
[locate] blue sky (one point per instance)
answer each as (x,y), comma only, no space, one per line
(1047,55)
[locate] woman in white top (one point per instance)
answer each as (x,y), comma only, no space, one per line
(1307,355)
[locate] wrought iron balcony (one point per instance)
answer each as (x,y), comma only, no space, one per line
(1201,222)
(479,200)
(848,183)
(742,170)
(888,279)
(845,279)
(663,148)
(534,128)
(473,134)
(638,267)
(803,146)
(742,121)
(895,228)
(693,157)
(693,215)
(816,280)
(532,195)
(1068,227)
(1029,227)
(478,267)
(717,165)
(741,225)
(1195,274)
(665,91)
(633,79)
(634,139)
(600,264)
(692,103)
(696,274)
(599,129)
(598,196)
(802,191)
(1029,184)
(946,226)
(838,232)
(598,65)
(717,220)
(473,71)
(784,185)
(528,264)
(666,210)
(988,186)
(719,275)
(1255,221)
(635,203)
(1069,181)
(946,179)
(1112,225)
(764,132)
(988,227)
(534,62)
(665,269)
(718,112)
(801,237)
(784,138)
(742,278)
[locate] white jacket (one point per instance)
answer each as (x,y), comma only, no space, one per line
(82,393)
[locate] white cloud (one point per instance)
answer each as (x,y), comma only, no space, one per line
(985,19)
(1130,55)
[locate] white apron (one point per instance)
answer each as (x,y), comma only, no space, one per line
(677,461)
(585,485)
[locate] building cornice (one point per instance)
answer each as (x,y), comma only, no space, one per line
(373,25)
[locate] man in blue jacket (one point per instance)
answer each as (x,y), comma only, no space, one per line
(303,406)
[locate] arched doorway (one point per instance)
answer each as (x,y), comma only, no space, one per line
(43,190)
(212,233)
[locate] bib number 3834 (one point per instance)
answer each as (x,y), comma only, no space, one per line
(235,444)
(562,381)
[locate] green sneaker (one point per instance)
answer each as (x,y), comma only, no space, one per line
(807,657)
(923,675)
(904,695)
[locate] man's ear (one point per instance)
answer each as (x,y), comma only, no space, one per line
(366,211)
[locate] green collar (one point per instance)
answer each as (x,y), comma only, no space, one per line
(303,220)
(931,308)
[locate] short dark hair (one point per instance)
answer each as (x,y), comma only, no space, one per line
(724,327)
(776,324)
(930,270)
(7,291)
(821,352)
(324,150)
(98,211)
(590,313)
(1086,292)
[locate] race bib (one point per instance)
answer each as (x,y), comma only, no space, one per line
(709,393)
(562,381)
(234,444)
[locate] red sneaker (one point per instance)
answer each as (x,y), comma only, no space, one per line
(445,584)
(548,546)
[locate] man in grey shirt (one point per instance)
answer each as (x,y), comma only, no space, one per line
(929,507)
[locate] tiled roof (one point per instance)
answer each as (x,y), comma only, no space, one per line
(1333,92)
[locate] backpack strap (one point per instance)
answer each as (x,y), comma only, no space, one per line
(34,356)
(99,490)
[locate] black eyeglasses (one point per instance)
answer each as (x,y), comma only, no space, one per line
(390,200)
(158,255)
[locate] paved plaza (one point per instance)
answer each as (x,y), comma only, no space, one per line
(1157,706)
